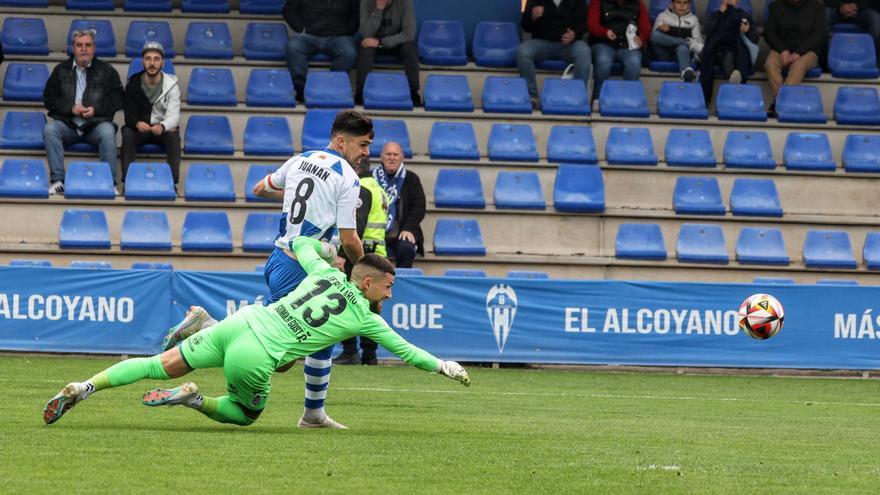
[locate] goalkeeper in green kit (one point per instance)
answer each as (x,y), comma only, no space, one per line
(253,343)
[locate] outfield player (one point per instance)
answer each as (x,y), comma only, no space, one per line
(253,343)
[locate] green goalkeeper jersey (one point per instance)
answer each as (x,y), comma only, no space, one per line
(324,309)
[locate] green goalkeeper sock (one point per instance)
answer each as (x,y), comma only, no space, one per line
(130,371)
(223,410)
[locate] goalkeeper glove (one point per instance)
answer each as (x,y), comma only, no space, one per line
(328,252)
(455,371)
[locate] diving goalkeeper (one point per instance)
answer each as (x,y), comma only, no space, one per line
(253,343)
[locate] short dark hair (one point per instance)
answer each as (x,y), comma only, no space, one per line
(376,262)
(352,123)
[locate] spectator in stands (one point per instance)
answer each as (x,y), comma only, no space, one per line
(329,27)
(388,27)
(731,43)
(676,28)
(82,95)
(152,110)
(619,29)
(796,32)
(406,206)
(556,27)
(862,13)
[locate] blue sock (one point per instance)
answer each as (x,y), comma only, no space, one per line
(316,372)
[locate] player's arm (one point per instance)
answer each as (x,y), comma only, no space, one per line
(266,188)
(313,254)
(352,244)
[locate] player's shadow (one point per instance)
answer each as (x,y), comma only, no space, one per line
(215,429)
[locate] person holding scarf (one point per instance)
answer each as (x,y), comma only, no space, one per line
(406,206)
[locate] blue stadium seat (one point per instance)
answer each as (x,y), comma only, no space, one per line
(630,146)
(828,249)
(267,136)
(701,243)
(495,44)
(260,6)
(861,153)
(316,129)
(506,95)
(773,280)
(453,140)
(755,197)
(836,281)
(262,268)
(209,182)
(137,65)
(91,4)
(25,36)
(91,265)
(564,97)
(206,6)
(390,130)
(746,5)
(458,188)
(871,251)
(257,173)
(740,102)
(149,181)
(328,89)
(211,86)
(519,190)
(409,272)
(145,230)
(264,41)
(852,105)
(23,178)
(25,82)
(448,94)
(689,148)
(23,130)
(147,5)
(748,149)
(387,91)
(808,151)
(105,40)
(571,144)
(801,104)
(208,135)
(25,3)
(143,265)
(681,100)
(464,272)
(458,237)
(640,241)
(140,32)
(623,99)
(89,180)
(442,43)
(270,88)
(512,142)
(206,231)
(851,55)
(260,232)
(84,229)
(761,246)
(30,263)
(697,196)
(533,275)
(579,188)
(208,40)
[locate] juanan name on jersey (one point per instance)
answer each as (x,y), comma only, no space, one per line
(321,173)
(66,307)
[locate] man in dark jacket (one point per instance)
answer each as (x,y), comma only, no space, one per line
(329,27)
(619,30)
(388,27)
(729,31)
(796,32)
(82,95)
(406,206)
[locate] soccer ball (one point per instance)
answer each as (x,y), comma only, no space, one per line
(761,316)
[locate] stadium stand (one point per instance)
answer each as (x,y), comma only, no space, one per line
(506,95)
(328,89)
(208,40)
(387,91)
(871,251)
(206,231)
(755,197)
(448,94)
(147,5)
(267,136)
(579,188)
(533,275)
(208,134)
(23,130)
(564,97)
(89,180)
(24,36)
(25,3)
(740,102)
(748,149)
(836,281)
(630,146)
(145,230)
(519,190)
(140,32)
(712,6)
(442,43)
(91,4)
(828,249)
(623,99)
(458,188)
(640,242)
(209,182)
(409,272)
(697,196)
(25,82)
(269,88)
(571,144)
(211,86)
(757,245)
(701,243)
(23,178)
(316,128)
(512,142)
(31,263)
(260,6)
(773,280)
(455,141)
(205,6)
(84,229)
(802,104)
(856,105)
(144,265)
(91,265)
(689,148)
(149,181)
(495,44)
(808,151)
(681,100)
(260,231)
(460,272)
(390,130)
(459,237)
(861,153)
(852,55)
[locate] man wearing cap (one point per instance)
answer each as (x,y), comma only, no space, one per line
(152,110)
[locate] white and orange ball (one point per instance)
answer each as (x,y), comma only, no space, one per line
(761,316)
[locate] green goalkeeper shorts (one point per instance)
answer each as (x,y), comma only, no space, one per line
(232,345)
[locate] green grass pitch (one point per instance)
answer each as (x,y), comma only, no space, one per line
(513,431)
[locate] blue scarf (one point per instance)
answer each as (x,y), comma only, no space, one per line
(392,186)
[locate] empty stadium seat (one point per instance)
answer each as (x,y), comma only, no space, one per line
(390,130)
(91,4)
(464,272)
(145,230)
(458,188)
(209,182)
(571,144)
(861,153)
(689,148)
(640,241)
(260,6)
(387,91)
(205,6)
(137,65)
(23,130)
(30,263)
(836,281)
(211,86)
(519,190)
(143,265)
(409,272)
(328,89)
(140,32)
(512,142)
(623,99)
(257,173)
(697,196)
(701,243)
(316,129)
(630,146)
(740,102)
(260,232)
(208,40)
(458,237)
(681,100)
(88,180)
(748,149)
(270,88)
(495,44)
(448,94)
(762,246)
(828,249)
(105,40)
(23,178)
(564,97)
(25,3)
(871,251)
(208,134)
(149,181)
(579,188)
(24,36)
(84,229)
(267,136)
(25,82)
(264,41)
(533,275)
(773,280)
(206,231)
(755,197)
(453,140)
(854,105)
(506,95)
(91,265)
(852,55)
(808,151)
(442,43)
(801,104)
(147,5)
